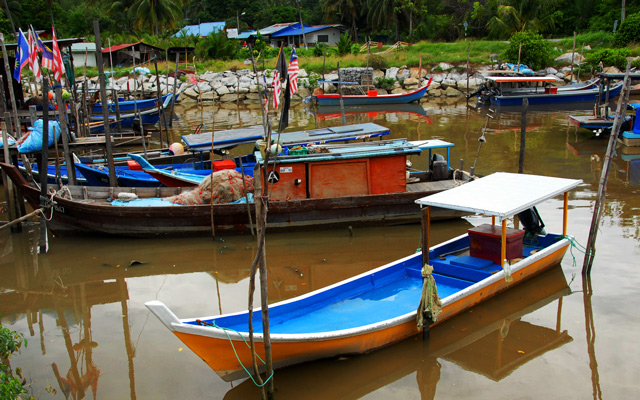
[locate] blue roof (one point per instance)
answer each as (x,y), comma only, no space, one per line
(291,30)
(203,29)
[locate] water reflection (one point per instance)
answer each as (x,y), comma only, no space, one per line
(491,339)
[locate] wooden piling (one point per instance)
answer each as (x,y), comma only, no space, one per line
(43,166)
(105,112)
(523,134)
(602,188)
(344,118)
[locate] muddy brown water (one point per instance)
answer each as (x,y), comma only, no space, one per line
(81,306)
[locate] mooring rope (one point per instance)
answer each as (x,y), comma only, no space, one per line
(225,330)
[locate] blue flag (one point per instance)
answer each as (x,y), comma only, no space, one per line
(22,55)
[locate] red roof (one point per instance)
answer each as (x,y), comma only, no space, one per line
(117,47)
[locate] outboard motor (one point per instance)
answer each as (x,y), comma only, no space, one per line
(479,90)
(532,223)
(438,168)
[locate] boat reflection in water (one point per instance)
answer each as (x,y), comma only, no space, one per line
(490,339)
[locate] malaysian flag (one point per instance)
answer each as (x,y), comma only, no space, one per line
(47,55)
(33,56)
(58,65)
(293,72)
(22,55)
(277,89)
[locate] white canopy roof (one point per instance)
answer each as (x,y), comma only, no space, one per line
(503,79)
(500,194)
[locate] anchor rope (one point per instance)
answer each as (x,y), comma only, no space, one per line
(225,330)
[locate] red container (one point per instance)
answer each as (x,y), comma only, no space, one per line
(133,165)
(485,242)
(223,164)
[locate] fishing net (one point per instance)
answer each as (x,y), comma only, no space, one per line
(223,186)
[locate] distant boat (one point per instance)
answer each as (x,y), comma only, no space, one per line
(379,307)
(372,97)
(149,116)
(511,90)
(129,106)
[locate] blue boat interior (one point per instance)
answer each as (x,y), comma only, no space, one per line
(380,296)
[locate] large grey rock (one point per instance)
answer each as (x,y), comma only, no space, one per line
(392,73)
(567,57)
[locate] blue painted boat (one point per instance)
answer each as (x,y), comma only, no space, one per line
(510,91)
(631,137)
(380,307)
(372,97)
(52,175)
(98,175)
(150,116)
(129,106)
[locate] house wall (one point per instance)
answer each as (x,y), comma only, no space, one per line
(331,34)
(80,57)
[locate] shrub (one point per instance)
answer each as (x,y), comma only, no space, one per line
(216,46)
(385,83)
(319,49)
(629,31)
(615,57)
(377,62)
(535,53)
(344,45)
(11,387)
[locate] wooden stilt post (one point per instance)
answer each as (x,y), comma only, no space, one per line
(160,107)
(12,95)
(344,118)
(42,168)
(8,185)
(523,134)
(105,112)
(595,221)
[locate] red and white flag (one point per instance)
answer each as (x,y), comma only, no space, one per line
(58,65)
(277,89)
(34,65)
(294,71)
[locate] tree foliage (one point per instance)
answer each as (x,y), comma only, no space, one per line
(529,48)
(629,31)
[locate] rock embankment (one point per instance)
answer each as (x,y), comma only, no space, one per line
(243,85)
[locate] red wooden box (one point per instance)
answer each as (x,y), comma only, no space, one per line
(223,164)
(485,242)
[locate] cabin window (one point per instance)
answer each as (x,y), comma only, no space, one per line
(323,38)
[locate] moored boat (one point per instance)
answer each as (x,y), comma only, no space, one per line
(371,97)
(379,307)
(340,185)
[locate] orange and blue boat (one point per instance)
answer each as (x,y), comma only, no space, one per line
(380,307)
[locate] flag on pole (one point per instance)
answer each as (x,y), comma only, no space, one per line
(22,55)
(47,55)
(294,71)
(58,65)
(277,89)
(33,56)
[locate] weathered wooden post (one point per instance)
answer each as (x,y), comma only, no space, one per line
(523,134)
(105,111)
(42,168)
(595,221)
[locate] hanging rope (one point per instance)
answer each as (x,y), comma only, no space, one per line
(430,306)
(233,347)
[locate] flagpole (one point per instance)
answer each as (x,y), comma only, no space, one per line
(12,95)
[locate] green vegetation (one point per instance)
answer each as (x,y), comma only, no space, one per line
(11,382)
(629,31)
(529,48)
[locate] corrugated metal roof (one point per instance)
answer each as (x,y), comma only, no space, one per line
(203,29)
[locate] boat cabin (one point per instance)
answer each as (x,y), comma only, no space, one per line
(337,170)
(631,128)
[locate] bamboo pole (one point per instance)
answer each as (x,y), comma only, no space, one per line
(595,221)
(213,132)
(175,88)
(12,95)
(160,106)
(8,187)
(573,52)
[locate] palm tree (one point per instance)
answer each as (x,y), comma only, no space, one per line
(346,10)
(154,13)
(520,15)
(382,13)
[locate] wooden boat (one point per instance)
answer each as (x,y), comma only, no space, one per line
(149,116)
(379,307)
(177,175)
(372,97)
(362,184)
(129,106)
(510,91)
